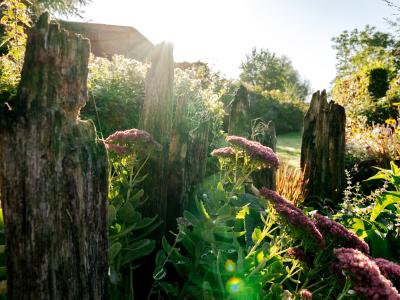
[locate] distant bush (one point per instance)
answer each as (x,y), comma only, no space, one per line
(370,146)
(367,83)
(116,93)
(380,143)
(287,113)
(368,94)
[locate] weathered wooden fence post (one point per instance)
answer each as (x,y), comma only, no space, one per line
(267,137)
(323,149)
(241,124)
(54,175)
(157,118)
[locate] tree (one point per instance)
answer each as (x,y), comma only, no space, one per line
(63,7)
(269,71)
(367,74)
(358,48)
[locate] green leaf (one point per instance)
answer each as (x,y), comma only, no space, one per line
(113,251)
(145,222)
(148,230)
(257,235)
(243,212)
(388,199)
(220,187)
(166,246)
(137,196)
(377,176)
(123,232)
(169,289)
(127,213)
(140,179)
(395,169)
(202,209)
(224,213)
(111,213)
(379,244)
(115,277)
(159,273)
(161,258)
(191,218)
(138,250)
(358,227)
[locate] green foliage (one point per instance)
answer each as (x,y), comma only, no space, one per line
(378,144)
(233,245)
(376,217)
(269,72)
(361,47)
(61,7)
(225,249)
(286,113)
(117,87)
(128,229)
(366,70)
(202,90)
(116,93)
(378,82)
(14,19)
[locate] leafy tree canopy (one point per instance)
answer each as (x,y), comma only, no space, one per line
(269,71)
(357,48)
(62,7)
(367,77)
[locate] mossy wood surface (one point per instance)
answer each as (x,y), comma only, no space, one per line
(54,175)
(323,150)
(240,124)
(157,119)
(266,177)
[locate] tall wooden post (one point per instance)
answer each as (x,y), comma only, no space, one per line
(266,177)
(157,118)
(323,149)
(239,122)
(54,175)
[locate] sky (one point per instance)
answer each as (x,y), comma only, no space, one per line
(222,32)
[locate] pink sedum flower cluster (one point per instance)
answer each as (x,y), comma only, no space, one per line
(340,233)
(293,215)
(298,254)
(365,275)
(225,152)
(255,150)
(305,294)
(122,142)
(390,270)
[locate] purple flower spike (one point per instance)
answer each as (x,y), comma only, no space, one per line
(255,150)
(365,275)
(339,232)
(293,215)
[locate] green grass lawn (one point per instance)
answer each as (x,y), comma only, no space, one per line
(289,148)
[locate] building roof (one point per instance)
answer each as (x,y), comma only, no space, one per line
(107,40)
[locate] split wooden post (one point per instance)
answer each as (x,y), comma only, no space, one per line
(323,150)
(157,118)
(266,177)
(54,175)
